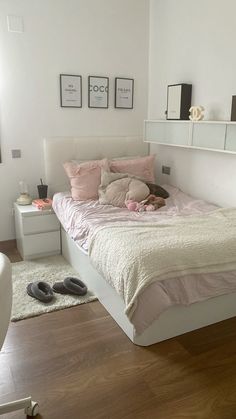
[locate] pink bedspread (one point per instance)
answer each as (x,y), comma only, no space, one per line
(79,220)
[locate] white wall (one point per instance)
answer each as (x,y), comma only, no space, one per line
(195,44)
(87,37)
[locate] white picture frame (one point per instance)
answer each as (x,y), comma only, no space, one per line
(174,101)
(98,92)
(70,91)
(124,93)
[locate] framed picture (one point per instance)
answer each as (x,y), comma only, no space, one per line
(70,91)
(98,92)
(124,93)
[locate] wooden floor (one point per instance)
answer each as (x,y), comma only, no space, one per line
(78,364)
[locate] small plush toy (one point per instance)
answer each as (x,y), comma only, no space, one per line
(131,205)
(154,203)
(151,203)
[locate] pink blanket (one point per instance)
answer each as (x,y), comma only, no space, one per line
(79,220)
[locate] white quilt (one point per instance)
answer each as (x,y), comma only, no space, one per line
(133,255)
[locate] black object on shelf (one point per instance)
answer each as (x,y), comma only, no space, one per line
(178,101)
(233,109)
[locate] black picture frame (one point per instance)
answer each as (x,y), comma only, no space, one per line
(70,91)
(98,92)
(124,93)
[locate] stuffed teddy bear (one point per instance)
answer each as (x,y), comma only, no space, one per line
(151,203)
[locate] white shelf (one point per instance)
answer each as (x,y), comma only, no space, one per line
(217,136)
(191,147)
(182,121)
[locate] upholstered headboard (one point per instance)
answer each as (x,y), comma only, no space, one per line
(57,150)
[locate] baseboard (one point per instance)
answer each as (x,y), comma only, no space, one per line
(7,245)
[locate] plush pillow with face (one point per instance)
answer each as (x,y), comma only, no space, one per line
(117,188)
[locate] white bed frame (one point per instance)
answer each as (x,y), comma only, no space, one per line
(175,320)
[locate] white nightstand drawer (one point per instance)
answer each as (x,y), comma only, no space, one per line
(40,224)
(44,243)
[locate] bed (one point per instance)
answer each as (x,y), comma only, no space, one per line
(172,317)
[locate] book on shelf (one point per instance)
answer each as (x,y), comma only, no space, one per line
(42,204)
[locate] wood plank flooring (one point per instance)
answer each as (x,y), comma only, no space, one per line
(78,364)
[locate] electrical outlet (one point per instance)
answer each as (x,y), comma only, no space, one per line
(15,24)
(16,154)
(166,170)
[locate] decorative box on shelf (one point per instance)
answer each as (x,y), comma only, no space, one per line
(178,101)
(37,231)
(207,135)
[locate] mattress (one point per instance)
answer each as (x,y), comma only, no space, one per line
(80,219)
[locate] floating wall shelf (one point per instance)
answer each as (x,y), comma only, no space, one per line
(208,135)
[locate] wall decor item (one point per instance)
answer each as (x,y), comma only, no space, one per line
(98,92)
(70,91)
(24,198)
(196,113)
(178,101)
(124,93)
(233,109)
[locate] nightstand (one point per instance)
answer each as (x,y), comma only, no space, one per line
(37,232)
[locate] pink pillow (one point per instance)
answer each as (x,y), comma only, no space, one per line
(85,178)
(142,167)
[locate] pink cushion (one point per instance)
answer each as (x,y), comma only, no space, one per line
(85,178)
(142,167)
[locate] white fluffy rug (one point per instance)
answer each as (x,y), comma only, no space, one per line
(50,269)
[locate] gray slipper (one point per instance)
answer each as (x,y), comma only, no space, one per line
(41,291)
(73,286)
